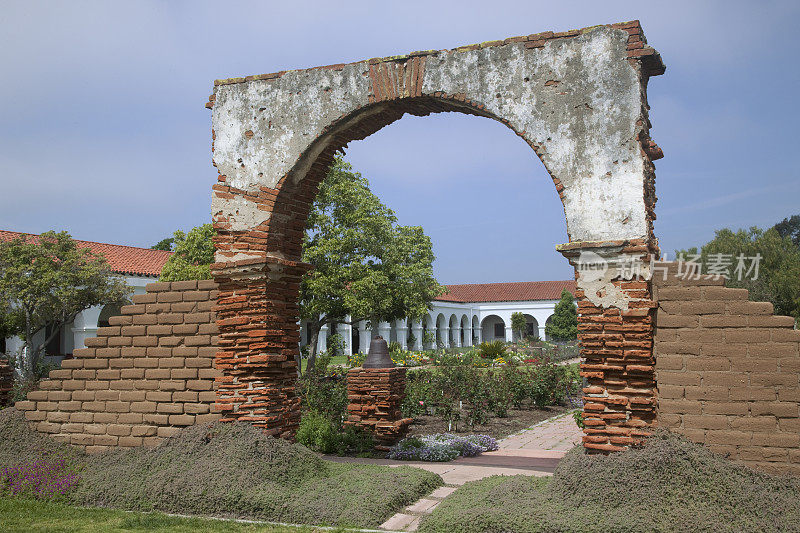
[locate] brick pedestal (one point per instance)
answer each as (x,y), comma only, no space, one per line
(375,395)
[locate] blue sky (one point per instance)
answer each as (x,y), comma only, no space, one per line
(103,130)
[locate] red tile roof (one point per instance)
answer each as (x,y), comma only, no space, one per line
(123,259)
(507,292)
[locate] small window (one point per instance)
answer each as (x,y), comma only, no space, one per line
(499,330)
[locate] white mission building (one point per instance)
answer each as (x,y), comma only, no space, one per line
(466,315)
(138,266)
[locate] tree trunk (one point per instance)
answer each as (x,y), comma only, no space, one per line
(312,351)
(26,351)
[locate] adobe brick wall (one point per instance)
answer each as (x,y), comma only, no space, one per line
(141,379)
(375,396)
(728,372)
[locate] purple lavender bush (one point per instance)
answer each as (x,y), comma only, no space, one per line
(44,479)
(441,447)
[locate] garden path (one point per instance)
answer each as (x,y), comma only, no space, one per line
(531,452)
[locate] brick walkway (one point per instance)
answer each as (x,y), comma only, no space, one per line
(531,452)
(558,433)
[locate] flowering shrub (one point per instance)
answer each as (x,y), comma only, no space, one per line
(45,478)
(324,390)
(441,447)
(468,393)
(357,359)
(407,359)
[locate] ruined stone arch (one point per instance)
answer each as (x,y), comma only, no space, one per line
(578,98)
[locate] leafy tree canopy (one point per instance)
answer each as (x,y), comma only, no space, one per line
(366,265)
(778,278)
(194,253)
(45,285)
(518,323)
(790,227)
(164,244)
(563,325)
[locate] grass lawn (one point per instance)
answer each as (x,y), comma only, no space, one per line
(338,360)
(25,515)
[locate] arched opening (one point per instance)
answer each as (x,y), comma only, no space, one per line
(466,336)
(108,311)
(547,323)
(441,331)
(493,328)
(476,331)
(453,334)
(531,328)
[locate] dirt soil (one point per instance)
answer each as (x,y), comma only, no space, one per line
(496,427)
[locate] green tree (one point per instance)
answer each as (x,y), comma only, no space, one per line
(164,244)
(194,253)
(778,279)
(519,324)
(11,321)
(366,266)
(47,283)
(790,227)
(563,325)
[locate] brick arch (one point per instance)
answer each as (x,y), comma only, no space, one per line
(578,98)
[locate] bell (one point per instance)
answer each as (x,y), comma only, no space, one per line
(378,356)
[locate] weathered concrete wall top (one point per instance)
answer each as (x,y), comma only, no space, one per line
(576,98)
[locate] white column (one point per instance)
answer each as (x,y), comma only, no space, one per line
(468,336)
(541,332)
(345,330)
(322,339)
(509,334)
(302,330)
(385,330)
(416,329)
(402,333)
(364,336)
(85,326)
(480,334)
(457,336)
